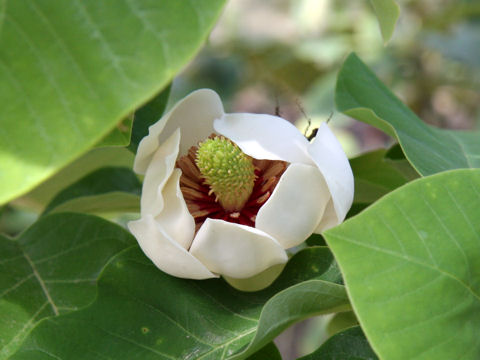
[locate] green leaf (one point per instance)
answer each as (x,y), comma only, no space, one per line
(387,12)
(316,240)
(298,302)
(71,70)
(91,161)
(430,150)
(269,352)
(120,135)
(52,269)
(109,189)
(147,115)
(3,5)
(375,176)
(396,158)
(341,321)
(411,263)
(141,312)
(349,344)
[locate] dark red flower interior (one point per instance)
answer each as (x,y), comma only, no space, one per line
(202,203)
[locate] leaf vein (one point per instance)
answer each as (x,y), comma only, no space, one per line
(16,285)
(408,259)
(42,284)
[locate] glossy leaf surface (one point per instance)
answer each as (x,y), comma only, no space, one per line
(143,313)
(52,269)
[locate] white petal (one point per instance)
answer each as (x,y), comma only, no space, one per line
(157,174)
(235,250)
(194,115)
(165,253)
(330,158)
(175,219)
(257,282)
(264,137)
(329,218)
(296,206)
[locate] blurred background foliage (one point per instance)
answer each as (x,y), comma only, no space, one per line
(282,56)
(285,55)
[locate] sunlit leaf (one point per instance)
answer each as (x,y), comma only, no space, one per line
(71,70)
(411,263)
(120,135)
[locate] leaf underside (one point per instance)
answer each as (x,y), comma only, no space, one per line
(430,150)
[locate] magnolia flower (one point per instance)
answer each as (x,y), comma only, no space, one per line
(227,194)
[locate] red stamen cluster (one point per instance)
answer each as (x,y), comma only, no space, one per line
(201,201)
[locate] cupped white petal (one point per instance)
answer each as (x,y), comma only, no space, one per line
(264,137)
(329,218)
(157,174)
(257,282)
(234,250)
(296,206)
(175,219)
(194,115)
(328,155)
(165,253)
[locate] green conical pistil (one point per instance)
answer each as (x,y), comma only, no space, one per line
(227,170)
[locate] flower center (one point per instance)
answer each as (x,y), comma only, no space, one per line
(198,192)
(228,172)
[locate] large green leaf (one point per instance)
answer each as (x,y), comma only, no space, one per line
(387,14)
(120,135)
(90,162)
(140,312)
(52,269)
(349,344)
(411,263)
(71,70)
(430,150)
(109,189)
(375,175)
